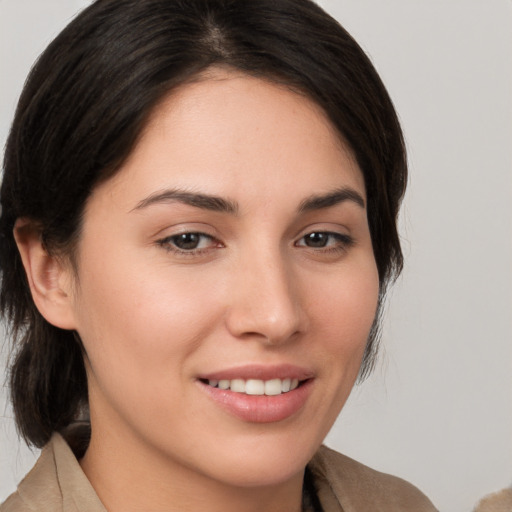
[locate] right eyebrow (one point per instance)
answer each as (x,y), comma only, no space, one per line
(198,200)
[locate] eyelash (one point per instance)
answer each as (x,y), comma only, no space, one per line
(341,243)
(169,243)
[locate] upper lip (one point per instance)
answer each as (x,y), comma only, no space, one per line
(260,372)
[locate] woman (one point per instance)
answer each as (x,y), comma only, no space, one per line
(199,224)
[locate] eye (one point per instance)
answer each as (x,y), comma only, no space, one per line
(188,242)
(325,240)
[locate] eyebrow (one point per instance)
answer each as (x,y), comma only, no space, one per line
(203,201)
(219,204)
(318,202)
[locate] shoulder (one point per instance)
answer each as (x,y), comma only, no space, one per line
(14,503)
(55,484)
(357,487)
(38,490)
(496,502)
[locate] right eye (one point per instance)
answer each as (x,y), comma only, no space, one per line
(189,242)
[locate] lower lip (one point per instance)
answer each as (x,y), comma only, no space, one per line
(260,408)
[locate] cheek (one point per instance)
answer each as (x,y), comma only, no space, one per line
(344,312)
(139,321)
(347,304)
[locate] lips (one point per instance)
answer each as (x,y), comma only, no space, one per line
(260,372)
(259,394)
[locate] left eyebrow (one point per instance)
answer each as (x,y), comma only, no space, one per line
(318,202)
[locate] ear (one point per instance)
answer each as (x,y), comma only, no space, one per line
(50,280)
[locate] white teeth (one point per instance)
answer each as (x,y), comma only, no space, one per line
(238,385)
(224,384)
(255,386)
(273,387)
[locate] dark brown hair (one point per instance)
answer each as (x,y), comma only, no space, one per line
(84,105)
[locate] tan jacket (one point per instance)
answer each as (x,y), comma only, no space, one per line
(58,484)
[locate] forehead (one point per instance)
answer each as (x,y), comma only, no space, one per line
(227,131)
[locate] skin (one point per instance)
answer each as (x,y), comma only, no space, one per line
(153,317)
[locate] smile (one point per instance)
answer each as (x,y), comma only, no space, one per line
(256,387)
(265,400)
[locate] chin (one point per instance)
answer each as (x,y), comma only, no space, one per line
(264,463)
(271,472)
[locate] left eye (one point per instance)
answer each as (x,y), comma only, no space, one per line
(188,241)
(322,239)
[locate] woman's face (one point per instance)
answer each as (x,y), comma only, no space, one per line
(231,250)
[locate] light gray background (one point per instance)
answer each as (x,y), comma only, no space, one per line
(438,410)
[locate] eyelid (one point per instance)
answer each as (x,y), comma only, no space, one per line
(329,227)
(336,247)
(181,227)
(168,243)
(182,233)
(342,237)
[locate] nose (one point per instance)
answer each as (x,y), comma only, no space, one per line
(266,301)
